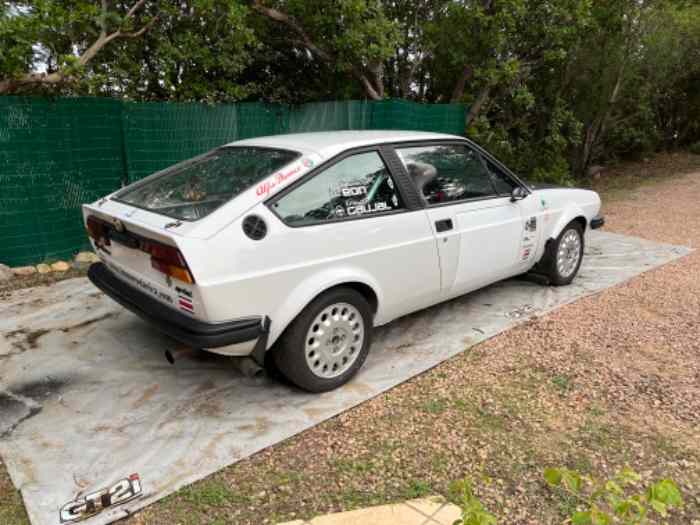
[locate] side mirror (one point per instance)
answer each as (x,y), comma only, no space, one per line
(518,194)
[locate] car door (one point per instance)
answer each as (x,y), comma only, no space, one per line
(478,230)
(350,220)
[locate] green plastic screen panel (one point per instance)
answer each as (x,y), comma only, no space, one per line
(56,154)
(158,135)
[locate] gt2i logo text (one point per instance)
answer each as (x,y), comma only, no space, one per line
(86,506)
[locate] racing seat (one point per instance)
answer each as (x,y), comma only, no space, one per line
(422,174)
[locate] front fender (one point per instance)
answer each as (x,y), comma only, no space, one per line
(570,212)
(308,289)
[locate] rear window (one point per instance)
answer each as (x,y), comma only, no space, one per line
(193,189)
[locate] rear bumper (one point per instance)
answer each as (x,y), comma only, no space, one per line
(191,332)
(597,222)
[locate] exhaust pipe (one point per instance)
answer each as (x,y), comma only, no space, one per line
(177,353)
(248,367)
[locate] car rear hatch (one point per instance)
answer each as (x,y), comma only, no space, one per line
(139,248)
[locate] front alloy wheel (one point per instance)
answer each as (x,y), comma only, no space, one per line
(569,254)
(563,256)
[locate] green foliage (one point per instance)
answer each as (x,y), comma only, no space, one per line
(473,511)
(418,489)
(551,86)
(695,148)
(617,500)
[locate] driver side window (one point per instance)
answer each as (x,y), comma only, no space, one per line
(446,173)
(359,185)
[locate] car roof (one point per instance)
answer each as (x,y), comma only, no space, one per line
(330,143)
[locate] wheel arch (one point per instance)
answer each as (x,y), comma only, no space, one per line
(571,214)
(308,290)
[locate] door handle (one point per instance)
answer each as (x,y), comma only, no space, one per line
(443,225)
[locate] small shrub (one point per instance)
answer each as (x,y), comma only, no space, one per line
(695,148)
(616,500)
(418,489)
(473,511)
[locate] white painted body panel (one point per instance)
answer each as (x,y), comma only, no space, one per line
(400,256)
(394,255)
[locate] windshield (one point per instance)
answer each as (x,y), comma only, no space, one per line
(193,189)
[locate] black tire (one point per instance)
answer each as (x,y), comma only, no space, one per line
(290,352)
(549,266)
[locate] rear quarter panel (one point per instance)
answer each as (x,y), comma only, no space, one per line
(278,276)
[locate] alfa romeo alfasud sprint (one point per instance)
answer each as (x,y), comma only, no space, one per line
(299,245)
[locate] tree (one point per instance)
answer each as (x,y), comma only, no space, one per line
(69,44)
(348,36)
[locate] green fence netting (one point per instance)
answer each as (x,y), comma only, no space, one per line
(56,154)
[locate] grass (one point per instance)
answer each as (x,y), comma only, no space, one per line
(11,508)
(563,383)
(435,406)
(418,489)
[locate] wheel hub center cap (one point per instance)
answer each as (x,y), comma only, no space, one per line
(336,342)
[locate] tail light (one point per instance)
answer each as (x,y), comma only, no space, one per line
(97,229)
(168,260)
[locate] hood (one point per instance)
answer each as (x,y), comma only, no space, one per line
(545,186)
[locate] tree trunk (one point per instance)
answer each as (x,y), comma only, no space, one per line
(458,91)
(597,128)
(477,106)
(374,92)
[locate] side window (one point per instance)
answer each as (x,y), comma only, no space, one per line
(503,183)
(447,173)
(356,186)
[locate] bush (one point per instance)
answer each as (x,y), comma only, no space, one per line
(622,499)
(695,148)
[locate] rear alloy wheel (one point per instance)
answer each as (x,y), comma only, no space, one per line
(328,342)
(564,255)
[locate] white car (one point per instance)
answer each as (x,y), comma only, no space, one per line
(301,244)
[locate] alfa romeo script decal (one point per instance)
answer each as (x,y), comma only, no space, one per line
(87,506)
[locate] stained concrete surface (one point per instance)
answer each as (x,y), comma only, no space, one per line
(87,398)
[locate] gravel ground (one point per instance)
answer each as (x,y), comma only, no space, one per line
(608,381)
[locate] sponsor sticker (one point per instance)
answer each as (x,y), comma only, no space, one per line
(268,185)
(531,224)
(84,507)
(185,304)
(140,283)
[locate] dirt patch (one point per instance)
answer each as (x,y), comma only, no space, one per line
(25,339)
(13,412)
(146,396)
(89,322)
(41,389)
(39,279)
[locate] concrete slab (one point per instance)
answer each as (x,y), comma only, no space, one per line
(423,511)
(86,397)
